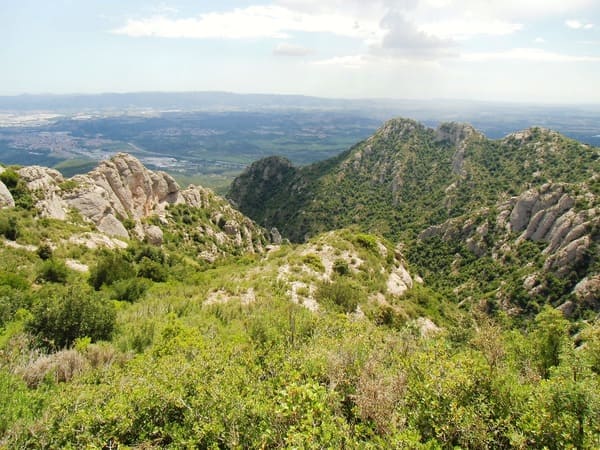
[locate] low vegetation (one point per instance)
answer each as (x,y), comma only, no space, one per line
(339,342)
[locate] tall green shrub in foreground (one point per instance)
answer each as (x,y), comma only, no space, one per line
(61,315)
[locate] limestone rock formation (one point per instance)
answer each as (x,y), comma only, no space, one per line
(587,291)
(458,134)
(6,199)
(548,215)
(562,218)
(120,193)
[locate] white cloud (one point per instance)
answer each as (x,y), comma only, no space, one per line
(347,62)
(286,49)
(468,26)
(539,40)
(528,55)
(405,39)
(514,9)
(268,21)
(578,25)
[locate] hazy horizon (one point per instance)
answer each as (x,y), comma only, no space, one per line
(528,51)
(541,103)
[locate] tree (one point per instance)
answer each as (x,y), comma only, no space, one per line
(550,336)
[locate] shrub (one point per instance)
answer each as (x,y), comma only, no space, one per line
(367,241)
(10,178)
(58,367)
(111,267)
(314,262)
(131,289)
(152,270)
(54,271)
(44,251)
(68,185)
(13,280)
(9,228)
(17,188)
(61,315)
(128,223)
(11,300)
(340,267)
(342,294)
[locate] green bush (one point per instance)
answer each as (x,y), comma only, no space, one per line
(9,227)
(131,289)
(53,271)
(111,267)
(314,261)
(61,315)
(342,294)
(152,270)
(367,241)
(44,251)
(10,178)
(11,300)
(340,267)
(17,188)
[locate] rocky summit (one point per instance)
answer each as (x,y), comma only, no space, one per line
(485,200)
(124,199)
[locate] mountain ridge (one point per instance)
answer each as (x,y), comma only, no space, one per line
(408,182)
(123,199)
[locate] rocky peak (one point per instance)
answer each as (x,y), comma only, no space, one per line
(131,190)
(530,134)
(264,176)
(455,132)
(122,191)
(458,135)
(398,128)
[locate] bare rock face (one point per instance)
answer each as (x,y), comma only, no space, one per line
(458,134)
(399,281)
(122,189)
(112,226)
(40,178)
(45,183)
(123,185)
(154,235)
(587,292)
(548,215)
(6,199)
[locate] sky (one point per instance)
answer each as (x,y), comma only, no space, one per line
(541,51)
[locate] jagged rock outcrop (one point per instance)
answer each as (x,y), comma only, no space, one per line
(120,193)
(6,198)
(562,218)
(45,184)
(547,214)
(458,134)
(587,292)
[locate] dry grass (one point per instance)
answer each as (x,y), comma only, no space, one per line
(378,394)
(59,367)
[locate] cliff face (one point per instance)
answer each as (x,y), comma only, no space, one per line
(561,219)
(119,194)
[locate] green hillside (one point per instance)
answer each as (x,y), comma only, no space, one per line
(417,185)
(477,329)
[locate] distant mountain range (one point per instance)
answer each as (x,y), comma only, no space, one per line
(493,118)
